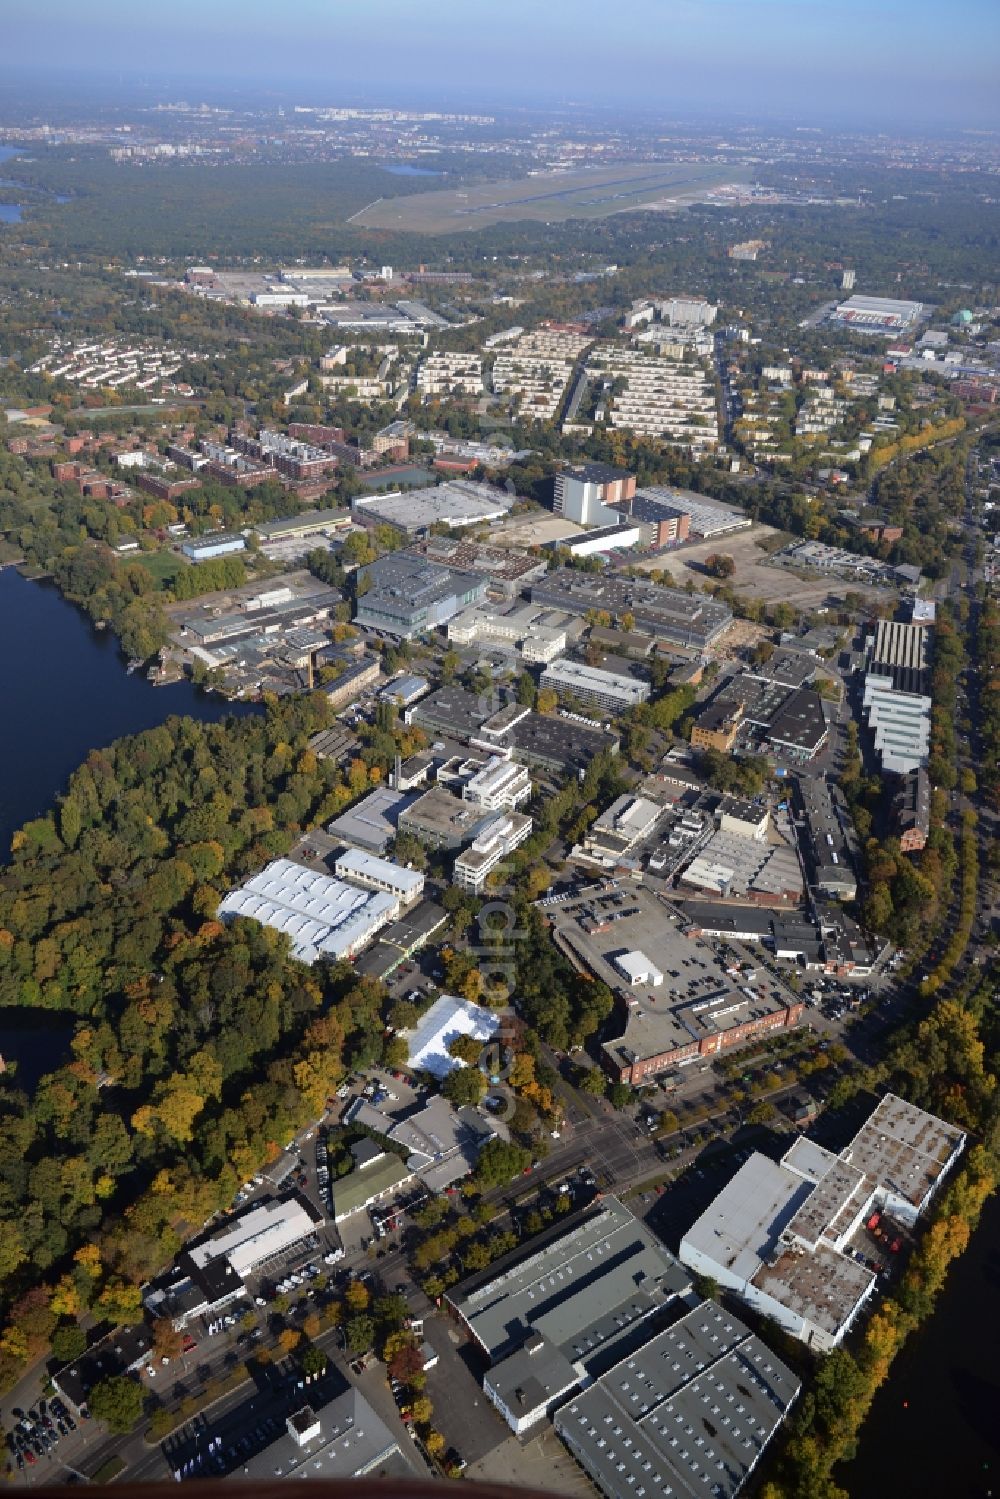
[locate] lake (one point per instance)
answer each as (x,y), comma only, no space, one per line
(406,169)
(934,1427)
(66,692)
(13,213)
(10,213)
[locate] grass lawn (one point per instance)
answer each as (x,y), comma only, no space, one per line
(164,566)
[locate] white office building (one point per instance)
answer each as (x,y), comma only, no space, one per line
(500,786)
(606,688)
(495,843)
(360,868)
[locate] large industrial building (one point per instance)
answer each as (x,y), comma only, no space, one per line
(506,570)
(548,743)
(900,724)
(629,821)
(321,916)
(678,1028)
(405,595)
(902,652)
(798,730)
(460,502)
(211,1274)
(829,837)
(788,1237)
(371,824)
(690,1413)
(440,819)
(217,544)
(601,1273)
(731,864)
(661,524)
(686,619)
(878,314)
(705,518)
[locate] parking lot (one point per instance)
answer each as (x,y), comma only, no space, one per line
(462,1413)
(39,1432)
(640,920)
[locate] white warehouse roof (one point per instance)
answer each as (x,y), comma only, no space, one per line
(638,969)
(354,863)
(322,916)
(256,1236)
(448,1018)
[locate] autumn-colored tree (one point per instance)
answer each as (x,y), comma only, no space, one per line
(466,1049)
(356,1296)
(405,1363)
(167,1341)
(421,1409)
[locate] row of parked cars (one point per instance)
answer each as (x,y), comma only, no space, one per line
(296,1279)
(323,1172)
(38,1430)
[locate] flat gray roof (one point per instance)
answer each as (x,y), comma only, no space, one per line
(352,1441)
(688,1414)
(460,502)
(578,1290)
(742,1225)
(371,823)
(532,1377)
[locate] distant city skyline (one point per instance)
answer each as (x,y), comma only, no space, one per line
(910,62)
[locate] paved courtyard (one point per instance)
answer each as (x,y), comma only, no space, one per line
(541,1463)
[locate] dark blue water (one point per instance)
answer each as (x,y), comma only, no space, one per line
(33,1043)
(405,169)
(10,213)
(63,692)
(934,1427)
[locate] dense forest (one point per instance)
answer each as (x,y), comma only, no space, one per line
(195,209)
(197,1048)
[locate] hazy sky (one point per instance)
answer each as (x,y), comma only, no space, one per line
(908,60)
